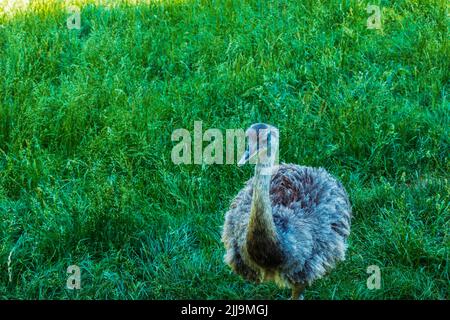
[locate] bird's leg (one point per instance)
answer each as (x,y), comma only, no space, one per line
(297,291)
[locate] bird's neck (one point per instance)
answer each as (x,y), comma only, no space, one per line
(262,240)
(261,209)
(261,190)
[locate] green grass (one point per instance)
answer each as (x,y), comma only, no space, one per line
(86,118)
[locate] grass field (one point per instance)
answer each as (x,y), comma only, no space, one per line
(86,118)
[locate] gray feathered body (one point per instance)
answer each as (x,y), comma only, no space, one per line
(311,213)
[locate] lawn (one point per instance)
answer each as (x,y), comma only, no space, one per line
(86,118)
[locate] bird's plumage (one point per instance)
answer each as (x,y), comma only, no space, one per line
(311,213)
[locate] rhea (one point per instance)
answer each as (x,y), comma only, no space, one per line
(289,223)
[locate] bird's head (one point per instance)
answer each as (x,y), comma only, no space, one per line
(262,146)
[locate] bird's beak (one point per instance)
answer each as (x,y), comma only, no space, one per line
(246,157)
